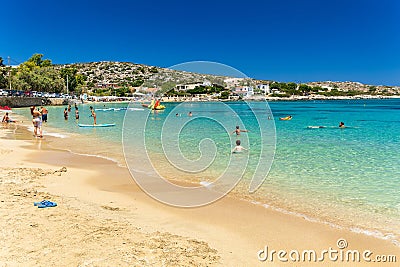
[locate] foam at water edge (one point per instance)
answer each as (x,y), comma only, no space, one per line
(119,164)
(391,237)
(206,184)
(58,135)
(374,233)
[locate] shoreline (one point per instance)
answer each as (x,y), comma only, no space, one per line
(110,99)
(284,209)
(228,221)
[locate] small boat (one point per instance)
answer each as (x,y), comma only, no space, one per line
(287,118)
(154,105)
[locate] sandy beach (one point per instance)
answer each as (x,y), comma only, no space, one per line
(104,219)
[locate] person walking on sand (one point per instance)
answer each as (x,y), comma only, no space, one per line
(44,112)
(93,115)
(37,122)
(238,130)
(65,114)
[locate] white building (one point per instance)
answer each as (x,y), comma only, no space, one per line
(190,86)
(265,88)
(245,91)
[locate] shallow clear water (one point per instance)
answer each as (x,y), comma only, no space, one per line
(348,177)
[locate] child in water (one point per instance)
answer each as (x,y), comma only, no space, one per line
(238,148)
(238,130)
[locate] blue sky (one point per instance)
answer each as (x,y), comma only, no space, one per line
(280,40)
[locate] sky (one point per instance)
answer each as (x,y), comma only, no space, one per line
(284,40)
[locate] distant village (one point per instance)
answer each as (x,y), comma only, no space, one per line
(110,78)
(130,81)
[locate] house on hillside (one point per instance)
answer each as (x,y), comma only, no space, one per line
(264,88)
(244,91)
(191,86)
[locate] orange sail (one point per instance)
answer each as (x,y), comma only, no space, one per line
(156,104)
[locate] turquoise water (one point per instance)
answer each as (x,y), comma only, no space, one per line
(347,177)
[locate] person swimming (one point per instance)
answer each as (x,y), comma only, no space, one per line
(238,148)
(287,118)
(238,130)
(341,125)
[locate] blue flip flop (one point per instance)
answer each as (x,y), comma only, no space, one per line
(45,204)
(38,203)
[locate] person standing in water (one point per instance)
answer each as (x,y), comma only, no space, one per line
(44,112)
(37,122)
(7,119)
(238,130)
(93,115)
(76,113)
(65,114)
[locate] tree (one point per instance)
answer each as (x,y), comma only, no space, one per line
(122,91)
(3,77)
(275,85)
(75,79)
(197,90)
(37,60)
(224,95)
(137,83)
(304,88)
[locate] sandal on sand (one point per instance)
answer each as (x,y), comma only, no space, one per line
(45,204)
(38,203)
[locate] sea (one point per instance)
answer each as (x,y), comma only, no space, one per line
(344,177)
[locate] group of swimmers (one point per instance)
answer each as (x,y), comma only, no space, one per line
(238,148)
(68,109)
(190,114)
